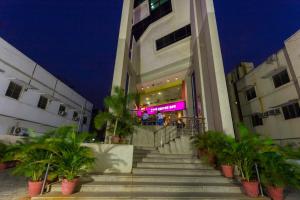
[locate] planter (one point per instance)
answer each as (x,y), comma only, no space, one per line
(34,188)
(115,139)
(201,153)
(68,187)
(227,171)
(276,193)
(212,159)
(251,188)
(2,166)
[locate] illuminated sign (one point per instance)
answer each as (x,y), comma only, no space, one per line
(170,107)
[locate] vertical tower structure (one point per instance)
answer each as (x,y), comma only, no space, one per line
(169,52)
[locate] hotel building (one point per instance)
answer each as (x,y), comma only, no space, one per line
(266,98)
(33,99)
(169,52)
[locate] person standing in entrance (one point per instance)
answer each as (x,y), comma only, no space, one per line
(159,119)
(145,118)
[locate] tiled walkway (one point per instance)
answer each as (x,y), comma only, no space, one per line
(11,187)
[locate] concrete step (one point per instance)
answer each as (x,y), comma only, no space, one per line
(145,148)
(178,172)
(172,160)
(173,165)
(144,196)
(152,155)
(160,178)
(97,186)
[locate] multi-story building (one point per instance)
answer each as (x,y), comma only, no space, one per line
(266,98)
(169,52)
(33,99)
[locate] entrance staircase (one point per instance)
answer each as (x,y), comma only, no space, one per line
(158,176)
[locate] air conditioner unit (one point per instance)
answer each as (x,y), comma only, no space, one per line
(19,131)
(62,113)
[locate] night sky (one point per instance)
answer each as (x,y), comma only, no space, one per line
(76,40)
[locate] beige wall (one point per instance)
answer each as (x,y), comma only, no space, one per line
(268,96)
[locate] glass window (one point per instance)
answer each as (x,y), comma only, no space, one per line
(84,120)
(291,111)
(281,78)
(257,120)
(13,90)
(62,110)
(173,37)
(43,101)
(154,4)
(250,93)
(75,116)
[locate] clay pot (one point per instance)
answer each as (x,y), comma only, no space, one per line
(34,188)
(2,166)
(276,193)
(212,159)
(115,139)
(68,187)
(251,188)
(227,171)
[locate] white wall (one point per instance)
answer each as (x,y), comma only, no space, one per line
(24,112)
(150,59)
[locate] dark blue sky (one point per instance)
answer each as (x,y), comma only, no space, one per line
(76,40)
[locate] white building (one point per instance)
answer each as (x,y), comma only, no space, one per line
(266,98)
(32,98)
(169,51)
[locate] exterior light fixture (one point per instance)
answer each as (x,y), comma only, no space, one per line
(168,81)
(159,93)
(176,78)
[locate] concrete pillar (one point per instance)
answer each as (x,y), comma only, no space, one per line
(208,66)
(122,55)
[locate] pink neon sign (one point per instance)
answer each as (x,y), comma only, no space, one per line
(170,107)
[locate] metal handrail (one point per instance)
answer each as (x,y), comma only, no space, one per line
(189,125)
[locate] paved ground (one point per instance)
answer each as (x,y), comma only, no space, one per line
(11,187)
(14,188)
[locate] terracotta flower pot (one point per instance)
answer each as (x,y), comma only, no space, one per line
(251,188)
(68,187)
(34,188)
(227,171)
(2,166)
(115,139)
(212,160)
(276,193)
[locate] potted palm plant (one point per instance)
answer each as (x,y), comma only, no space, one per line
(32,164)
(226,153)
(70,158)
(200,143)
(118,118)
(277,173)
(248,148)
(3,149)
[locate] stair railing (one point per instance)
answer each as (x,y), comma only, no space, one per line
(188,126)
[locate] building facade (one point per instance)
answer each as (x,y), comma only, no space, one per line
(33,99)
(169,52)
(266,98)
